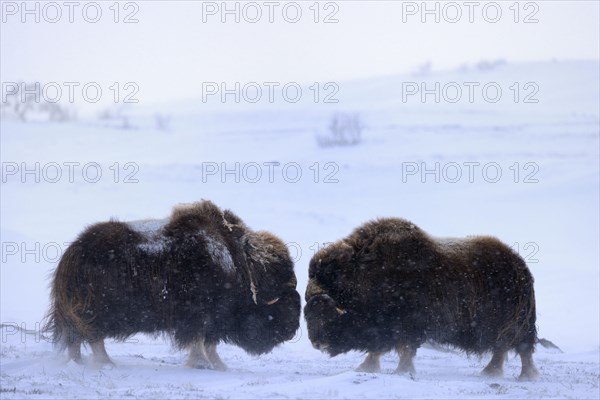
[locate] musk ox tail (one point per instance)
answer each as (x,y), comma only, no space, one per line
(69,296)
(527,313)
(521,325)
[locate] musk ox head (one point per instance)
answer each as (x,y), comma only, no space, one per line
(266,326)
(325,322)
(273,308)
(336,330)
(328,318)
(360,285)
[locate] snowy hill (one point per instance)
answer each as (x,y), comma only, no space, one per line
(526,172)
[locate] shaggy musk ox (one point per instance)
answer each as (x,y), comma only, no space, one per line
(201,276)
(389,285)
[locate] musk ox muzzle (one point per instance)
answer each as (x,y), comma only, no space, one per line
(389,285)
(200,276)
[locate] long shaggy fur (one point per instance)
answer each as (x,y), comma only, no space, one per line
(389,284)
(201,276)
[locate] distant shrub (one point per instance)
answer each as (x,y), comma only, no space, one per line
(30,106)
(345,129)
(115,117)
(162,121)
(423,69)
(485,65)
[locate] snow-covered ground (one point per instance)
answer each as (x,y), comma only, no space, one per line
(147,369)
(545,204)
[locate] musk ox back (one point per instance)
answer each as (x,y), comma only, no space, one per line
(200,276)
(389,285)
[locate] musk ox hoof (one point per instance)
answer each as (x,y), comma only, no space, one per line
(529,375)
(409,371)
(492,372)
(200,364)
(101,363)
(371,363)
(220,366)
(76,360)
(205,364)
(368,369)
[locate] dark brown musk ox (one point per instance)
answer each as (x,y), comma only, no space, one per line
(389,285)
(200,276)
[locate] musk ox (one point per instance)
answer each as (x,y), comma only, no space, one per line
(389,285)
(200,276)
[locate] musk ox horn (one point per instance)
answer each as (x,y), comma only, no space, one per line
(271,302)
(340,311)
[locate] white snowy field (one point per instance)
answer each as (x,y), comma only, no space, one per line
(147,369)
(527,173)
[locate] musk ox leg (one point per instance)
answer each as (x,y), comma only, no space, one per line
(371,363)
(213,357)
(406,353)
(100,355)
(528,370)
(496,364)
(74,350)
(198,357)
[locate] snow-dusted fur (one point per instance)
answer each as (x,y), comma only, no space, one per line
(201,276)
(389,285)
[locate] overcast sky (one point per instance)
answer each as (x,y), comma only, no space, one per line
(177,45)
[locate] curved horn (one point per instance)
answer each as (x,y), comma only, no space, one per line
(271,302)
